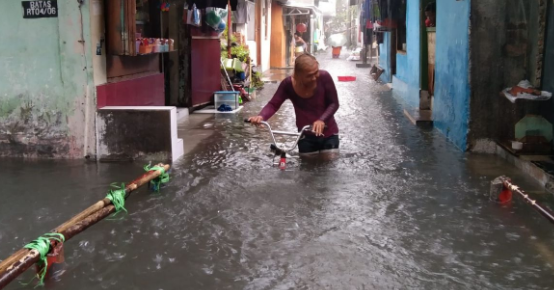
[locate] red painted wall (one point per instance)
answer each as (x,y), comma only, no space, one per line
(143,91)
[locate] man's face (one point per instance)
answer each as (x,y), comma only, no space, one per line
(310,75)
(431,15)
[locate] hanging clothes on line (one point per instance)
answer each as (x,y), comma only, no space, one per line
(203,4)
(241,14)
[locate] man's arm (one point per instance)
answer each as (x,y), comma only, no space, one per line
(273,106)
(331,97)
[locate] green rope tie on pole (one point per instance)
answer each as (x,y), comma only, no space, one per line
(117,197)
(42,246)
(158,181)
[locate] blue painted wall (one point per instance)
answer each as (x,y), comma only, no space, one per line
(451,103)
(385,58)
(408,66)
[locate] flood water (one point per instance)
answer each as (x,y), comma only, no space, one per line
(401,208)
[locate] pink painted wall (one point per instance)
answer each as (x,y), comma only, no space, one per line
(143,91)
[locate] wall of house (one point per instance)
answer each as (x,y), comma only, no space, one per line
(385,58)
(266,38)
(497,64)
(452,90)
(97,28)
(547,84)
(408,64)
(47,98)
(548,76)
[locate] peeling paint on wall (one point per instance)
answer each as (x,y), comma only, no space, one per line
(44,74)
(451,103)
(408,65)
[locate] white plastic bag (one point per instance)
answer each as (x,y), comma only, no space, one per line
(193,16)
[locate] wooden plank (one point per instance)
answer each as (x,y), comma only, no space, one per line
(114,43)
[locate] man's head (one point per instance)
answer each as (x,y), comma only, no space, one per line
(297,36)
(431,11)
(306,70)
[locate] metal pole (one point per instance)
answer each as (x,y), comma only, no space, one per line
(229,29)
(227,74)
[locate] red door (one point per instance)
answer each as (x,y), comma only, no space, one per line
(205,69)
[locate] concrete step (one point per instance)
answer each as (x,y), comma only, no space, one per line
(182,114)
(418,117)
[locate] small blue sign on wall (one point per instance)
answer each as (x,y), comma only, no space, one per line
(40,9)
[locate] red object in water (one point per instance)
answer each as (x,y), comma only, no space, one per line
(505,195)
(347,78)
(283,163)
(301,27)
(56,256)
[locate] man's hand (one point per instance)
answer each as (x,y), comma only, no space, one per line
(256,120)
(318,127)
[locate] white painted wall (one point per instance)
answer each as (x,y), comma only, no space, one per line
(96,34)
(253,51)
(266,39)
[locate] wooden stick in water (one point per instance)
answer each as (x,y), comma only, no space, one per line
(20,261)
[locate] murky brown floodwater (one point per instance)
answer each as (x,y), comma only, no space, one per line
(401,209)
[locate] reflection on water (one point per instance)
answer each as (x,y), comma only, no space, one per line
(400,209)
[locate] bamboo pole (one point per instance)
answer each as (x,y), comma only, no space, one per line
(32,256)
(16,264)
(545,212)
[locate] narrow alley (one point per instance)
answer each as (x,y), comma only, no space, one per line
(401,208)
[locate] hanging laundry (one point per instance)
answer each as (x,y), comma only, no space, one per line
(241,15)
(203,4)
(250,11)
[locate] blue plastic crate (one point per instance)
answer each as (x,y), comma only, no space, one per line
(229,98)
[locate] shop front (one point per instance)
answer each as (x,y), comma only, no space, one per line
(136,49)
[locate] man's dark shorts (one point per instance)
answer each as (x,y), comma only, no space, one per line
(312,144)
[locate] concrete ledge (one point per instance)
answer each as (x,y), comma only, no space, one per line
(138,133)
(409,94)
(421,118)
(525,164)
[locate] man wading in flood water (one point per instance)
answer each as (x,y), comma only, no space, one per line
(314,97)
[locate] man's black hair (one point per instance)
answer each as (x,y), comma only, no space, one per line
(431,7)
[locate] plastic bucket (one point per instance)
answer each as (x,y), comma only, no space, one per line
(336,51)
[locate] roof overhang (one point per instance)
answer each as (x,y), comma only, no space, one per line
(294,9)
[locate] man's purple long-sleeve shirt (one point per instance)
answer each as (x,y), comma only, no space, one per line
(321,106)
